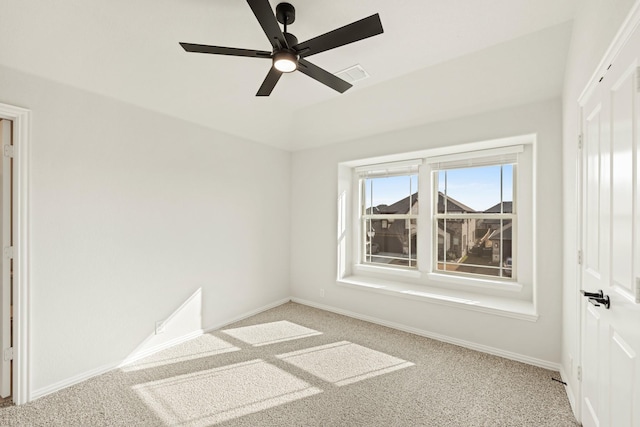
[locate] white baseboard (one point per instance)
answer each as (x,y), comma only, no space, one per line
(160,347)
(197,333)
(76,379)
(462,343)
(245,315)
(467,344)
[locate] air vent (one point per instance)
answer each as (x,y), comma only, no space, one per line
(353,74)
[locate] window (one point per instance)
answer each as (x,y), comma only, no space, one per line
(474,220)
(454,225)
(448,219)
(388,214)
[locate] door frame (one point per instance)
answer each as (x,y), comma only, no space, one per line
(628,27)
(21,119)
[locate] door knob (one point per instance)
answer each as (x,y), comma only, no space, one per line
(598,294)
(598,298)
(604,301)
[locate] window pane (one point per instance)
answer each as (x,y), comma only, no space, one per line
(507,188)
(475,246)
(473,189)
(454,238)
(476,189)
(390,242)
(371,246)
(441,177)
(391,195)
(413,210)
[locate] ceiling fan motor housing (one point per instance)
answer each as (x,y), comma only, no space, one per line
(285,13)
(291,39)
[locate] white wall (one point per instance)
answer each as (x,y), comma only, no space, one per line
(314,231)
(138,217)
(525,69)
(594,28)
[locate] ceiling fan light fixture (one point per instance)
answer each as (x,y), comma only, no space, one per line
(285,61)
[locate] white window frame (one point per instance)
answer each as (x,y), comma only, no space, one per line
(403,168)
(490,157)
(425,280)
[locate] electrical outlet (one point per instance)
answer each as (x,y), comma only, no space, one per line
(322,293)
(159,327)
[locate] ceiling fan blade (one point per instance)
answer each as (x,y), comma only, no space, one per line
(269,82)
(219,50)
(323,76)
(353,32)
(264,14)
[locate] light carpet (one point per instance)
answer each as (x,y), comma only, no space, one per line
(299,366)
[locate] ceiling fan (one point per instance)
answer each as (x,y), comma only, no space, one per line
(288,55)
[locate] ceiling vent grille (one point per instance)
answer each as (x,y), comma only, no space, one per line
(353,74)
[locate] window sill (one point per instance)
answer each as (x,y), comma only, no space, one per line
(391,271)
(517,309)
(393,274)
(503,285)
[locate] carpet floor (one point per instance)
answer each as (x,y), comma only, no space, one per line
(299,366)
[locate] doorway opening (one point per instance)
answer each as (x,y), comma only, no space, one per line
(14,352)
(6,263)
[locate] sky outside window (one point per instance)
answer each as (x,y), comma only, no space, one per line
(476,187)
(388,190)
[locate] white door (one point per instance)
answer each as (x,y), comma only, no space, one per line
(610,245)
(5,263)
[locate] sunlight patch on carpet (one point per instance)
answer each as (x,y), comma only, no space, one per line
(221,394)
(344,363)
(203,346)
(271,333)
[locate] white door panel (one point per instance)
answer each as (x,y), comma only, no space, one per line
(590,389)
(594,232)
(622,378)
(622,110)
(610,244)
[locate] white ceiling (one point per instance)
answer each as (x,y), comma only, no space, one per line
(129,50)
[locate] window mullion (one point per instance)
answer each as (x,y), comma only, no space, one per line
(475,216)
